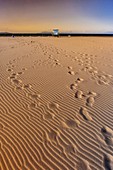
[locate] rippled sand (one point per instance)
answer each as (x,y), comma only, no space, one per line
(56,103)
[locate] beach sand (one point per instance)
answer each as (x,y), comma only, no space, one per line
(56,103)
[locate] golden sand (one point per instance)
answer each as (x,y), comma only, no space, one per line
(56,103)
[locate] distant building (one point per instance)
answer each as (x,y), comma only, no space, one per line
(55,32)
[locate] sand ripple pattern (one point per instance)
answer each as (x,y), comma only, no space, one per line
(56,107)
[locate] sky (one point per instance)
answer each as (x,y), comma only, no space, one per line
(86,16)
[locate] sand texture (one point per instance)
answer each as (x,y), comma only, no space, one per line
(56,103)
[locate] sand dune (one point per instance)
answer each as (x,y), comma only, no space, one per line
(56,103)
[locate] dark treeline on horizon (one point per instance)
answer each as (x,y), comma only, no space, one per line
(50,34)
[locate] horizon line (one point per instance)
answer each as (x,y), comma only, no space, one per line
(60,32)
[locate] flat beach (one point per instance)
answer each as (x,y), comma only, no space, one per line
(56,103)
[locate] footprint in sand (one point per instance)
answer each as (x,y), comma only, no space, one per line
(12,77)
(108,135)
(103,80)
(73,86)
(27,86)
(32,105)
(14,74)
(91,93)
(109,140)
(18,88)
(63,125)
(79,80)
(33,96)
(58,64)
(13,65)
(9,69)
(51,136)
(100,82)
(79,94)
(24,69)
(19,73)
(107,131)
(10,62)
(84,69)
(108,162)
(70,68)
(90,101)
(95,72)
(72,123)
(16,81)
(84,113)
(69,124)
(56,60)
(109,76)
(69,149)
(71,72)
(48,116)
(53,106)
(83,165)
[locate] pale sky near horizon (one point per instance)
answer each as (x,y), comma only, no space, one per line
(67,15)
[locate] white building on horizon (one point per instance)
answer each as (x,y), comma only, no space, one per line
(55,32)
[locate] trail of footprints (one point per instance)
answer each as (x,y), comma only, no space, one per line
(108,138)
(106,131)
(53,108)
(35,98)
(50,52)
(89,98)
(17,82)
(108,135)
(18,85)
(101,79)
(87,62)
